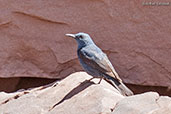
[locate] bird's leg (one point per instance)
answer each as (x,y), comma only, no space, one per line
(88,80)
(100,80)
(91,79)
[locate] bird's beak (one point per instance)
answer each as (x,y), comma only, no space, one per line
(70,35)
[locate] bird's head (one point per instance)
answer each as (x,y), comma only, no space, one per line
(82,39)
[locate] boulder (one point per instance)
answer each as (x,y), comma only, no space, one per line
(146,103)
(75,94)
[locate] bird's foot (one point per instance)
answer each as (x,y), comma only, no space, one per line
(86,81)
(90,79)
(100,80)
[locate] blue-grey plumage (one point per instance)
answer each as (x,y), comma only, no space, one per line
(96,63)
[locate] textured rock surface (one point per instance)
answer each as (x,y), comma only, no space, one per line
(76,95)
(135,37)
(138,104)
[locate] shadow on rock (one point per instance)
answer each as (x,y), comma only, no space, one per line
(82,86)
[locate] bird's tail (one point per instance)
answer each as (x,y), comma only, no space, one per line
(120,86)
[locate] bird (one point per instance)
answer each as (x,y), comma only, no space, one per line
(96,63)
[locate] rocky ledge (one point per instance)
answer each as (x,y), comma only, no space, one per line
(76,95)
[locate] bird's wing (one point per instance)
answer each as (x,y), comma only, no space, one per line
(99,61)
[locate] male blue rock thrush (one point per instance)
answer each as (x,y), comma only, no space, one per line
(96,63)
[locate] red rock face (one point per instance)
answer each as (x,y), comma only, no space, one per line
(137,38)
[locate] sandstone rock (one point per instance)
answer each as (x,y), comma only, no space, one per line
(165,110)
(135,37)
(76,95)
(147,103)
(138,104)
(164,106)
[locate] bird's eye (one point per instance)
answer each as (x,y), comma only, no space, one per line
(81,36)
